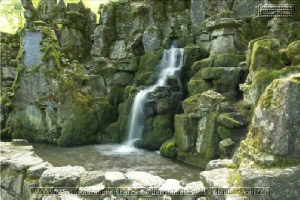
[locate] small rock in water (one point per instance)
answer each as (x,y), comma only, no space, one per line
(20,142)
(183,182)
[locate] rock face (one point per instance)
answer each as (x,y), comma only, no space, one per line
(274,125)
(267,144)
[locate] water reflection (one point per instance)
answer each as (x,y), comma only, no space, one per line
(117,158)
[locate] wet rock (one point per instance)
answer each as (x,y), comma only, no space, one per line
(61,176)
(140,179)
(220,163)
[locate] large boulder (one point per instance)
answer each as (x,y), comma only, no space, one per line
(275,118)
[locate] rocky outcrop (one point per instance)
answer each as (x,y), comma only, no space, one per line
(9,51)
(195,130)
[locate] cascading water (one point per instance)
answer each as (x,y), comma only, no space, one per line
(171,63)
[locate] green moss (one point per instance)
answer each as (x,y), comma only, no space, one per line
(235,179)
(266,54)
(50,53)
(228,60)
(293,52)
(168,149)
(148,68)
(228,121)
(112,134)
(245,109)
(116,95)
(287,71)
(15,85)
(156,132)
(50,72)
(191,159)
(206,62)
(20,55)
(228,133)
(81,127)
(286,161)
(211,136)
(232,166)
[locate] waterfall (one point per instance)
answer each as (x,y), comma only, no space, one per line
(171,62)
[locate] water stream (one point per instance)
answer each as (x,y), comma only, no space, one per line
(109,157)
(171,63)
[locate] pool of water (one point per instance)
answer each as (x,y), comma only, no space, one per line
(117,158)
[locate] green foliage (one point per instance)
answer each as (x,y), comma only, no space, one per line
(12,18)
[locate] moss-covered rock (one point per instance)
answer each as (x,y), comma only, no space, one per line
(168,149)
(206,62)
(293,52)
(264,53)
(261,79)
(220,79)
(80,128)
(161,131)
(228,121)
(185,132)
(233,134)
(228,60)
(112,133)
(148,68)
